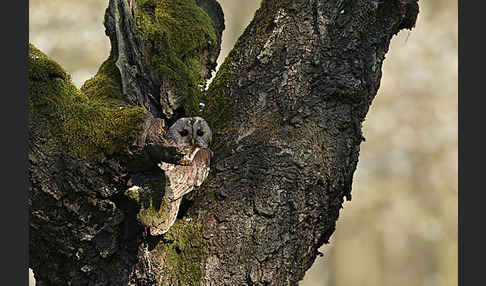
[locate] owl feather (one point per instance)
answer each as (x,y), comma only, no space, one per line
(192,136)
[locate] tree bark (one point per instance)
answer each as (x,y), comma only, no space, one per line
(286,109)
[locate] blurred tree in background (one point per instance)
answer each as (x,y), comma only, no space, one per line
(406,237)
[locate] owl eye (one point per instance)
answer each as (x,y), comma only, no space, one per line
(200,132)
(183,132)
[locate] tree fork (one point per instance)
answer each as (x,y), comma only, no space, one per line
(286,108)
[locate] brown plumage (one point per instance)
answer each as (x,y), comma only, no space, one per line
(183,178)
(192,136)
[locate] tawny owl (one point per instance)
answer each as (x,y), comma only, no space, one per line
(192,137)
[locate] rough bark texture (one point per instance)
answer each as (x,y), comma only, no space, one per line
(286,109)
(295,91)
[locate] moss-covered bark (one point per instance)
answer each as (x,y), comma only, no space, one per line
(165,50)
(87,148)
(106,84)
(95,125)
(71,128)
(182,255)
(286,110)
(174,34)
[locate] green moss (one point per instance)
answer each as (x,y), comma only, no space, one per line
(153,206)
(87,127)
(42,68)
(183,255)
(134,194)
(217,112)
(175,33)
(152,216)
(180,255)
(106,84)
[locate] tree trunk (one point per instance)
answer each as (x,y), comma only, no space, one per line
(286,109)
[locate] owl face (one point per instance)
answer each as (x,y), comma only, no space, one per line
(181,132)
(201,132)
(191,131)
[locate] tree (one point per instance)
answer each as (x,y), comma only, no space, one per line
(286,109)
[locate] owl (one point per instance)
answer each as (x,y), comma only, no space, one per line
(191,136)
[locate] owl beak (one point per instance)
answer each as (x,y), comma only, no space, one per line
(192,141)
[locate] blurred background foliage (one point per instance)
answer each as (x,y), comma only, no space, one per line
(401,226)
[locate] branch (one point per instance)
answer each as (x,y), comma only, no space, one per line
(286,109)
